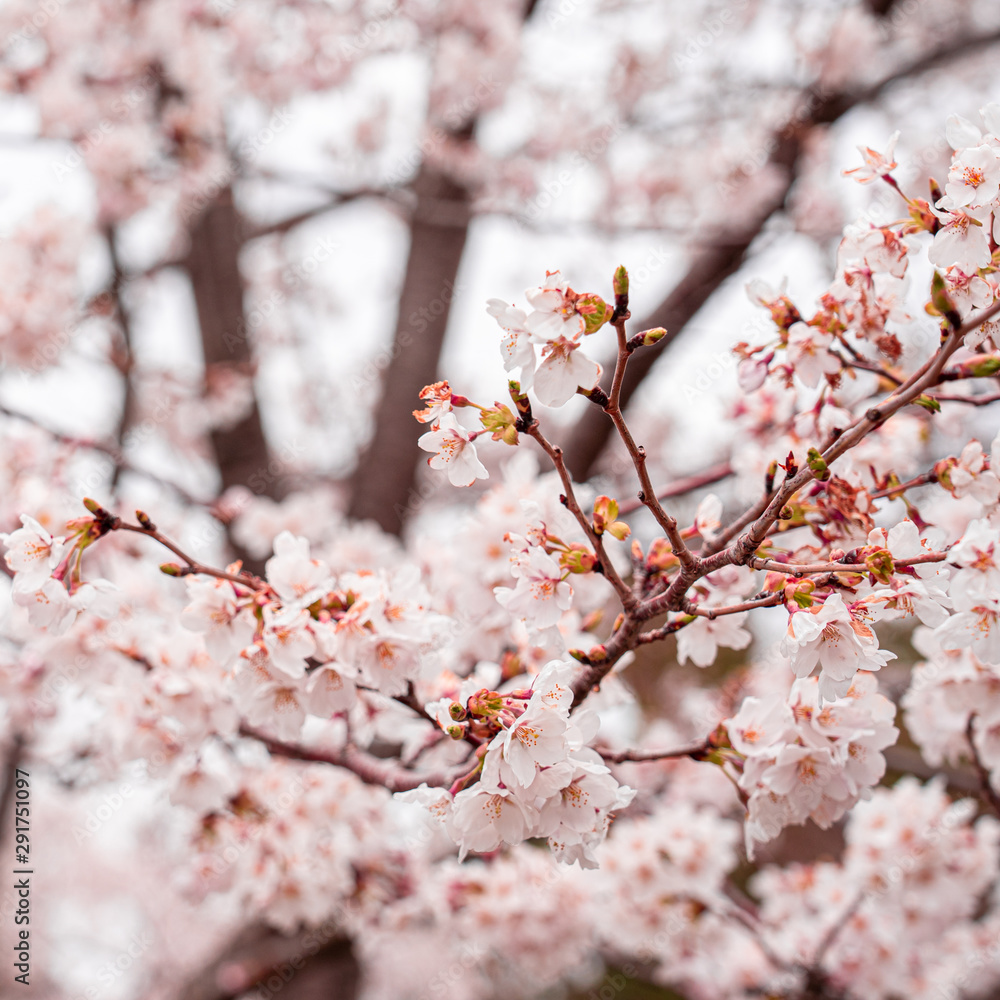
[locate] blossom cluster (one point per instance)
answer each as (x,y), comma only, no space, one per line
(802,759)
(537,776)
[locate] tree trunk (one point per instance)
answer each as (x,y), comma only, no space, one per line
(383,482)
(213,265)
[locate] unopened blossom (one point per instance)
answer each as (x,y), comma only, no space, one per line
(454,451)
(809,355)
(32,553)
(829,635)
(564,369)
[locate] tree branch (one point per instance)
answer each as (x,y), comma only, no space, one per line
(371,770)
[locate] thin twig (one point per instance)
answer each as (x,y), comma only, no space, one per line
(695,751)
(986,790)
(711,475)
(555,454)
(371,770)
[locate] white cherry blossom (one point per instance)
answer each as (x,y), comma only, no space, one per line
(453,450)
(564,369)
(829,635)
(32,553)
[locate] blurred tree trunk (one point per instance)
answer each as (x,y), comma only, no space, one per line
(383,481)
(308,966)
(212,263)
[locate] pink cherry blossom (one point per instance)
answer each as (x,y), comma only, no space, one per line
(454,451)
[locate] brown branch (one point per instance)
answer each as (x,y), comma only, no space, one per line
(772,600)
(986,790)
(291,222)
(696,751)
(105,449)
(742,550)
(688,484)
(371,770)
(126,363)
(607,568)
(890,491)
(647,494)
(807,569)
(715,262)
(984,400)
(192,566)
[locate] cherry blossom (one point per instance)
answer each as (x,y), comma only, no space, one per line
(294,576)
(554,316)
(961,242)
(541,594)
(876,164)
(808,352)
(974,177)
(564,369)
(32,553)
(831,636)
(454,451)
